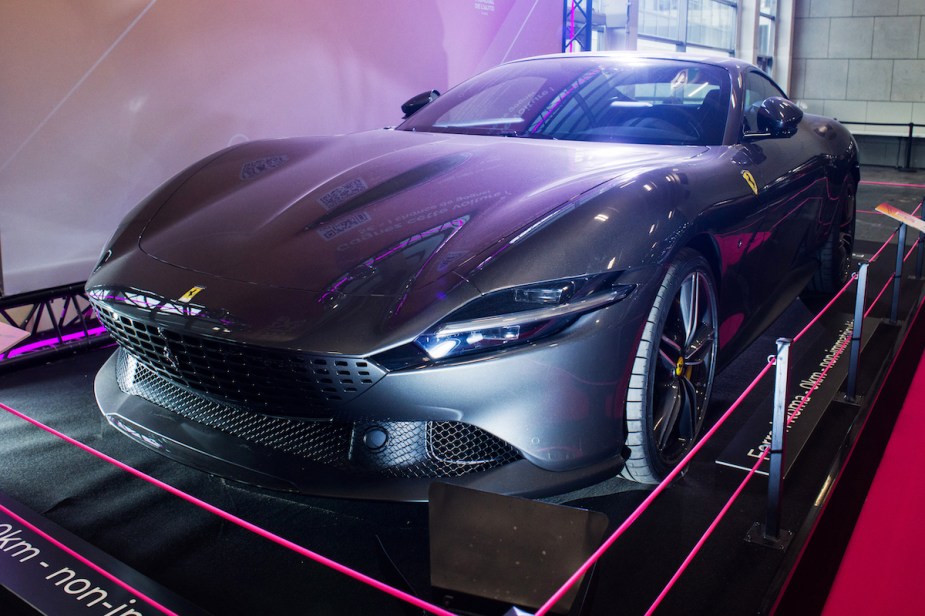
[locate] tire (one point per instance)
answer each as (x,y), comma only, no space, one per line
(673,370)
(835,255)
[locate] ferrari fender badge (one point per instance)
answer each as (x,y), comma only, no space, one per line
(750,180)
(189,295)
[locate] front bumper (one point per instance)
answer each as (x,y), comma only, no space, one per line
(540,418)
(338,459)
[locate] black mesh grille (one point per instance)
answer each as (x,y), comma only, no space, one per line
(275,381)
(323,442)
(401,449)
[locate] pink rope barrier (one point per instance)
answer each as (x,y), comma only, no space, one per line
(795,413)
(706,535)
(882,247)
(637,513)
(889,281)
(327,562)
(761,458)
(877,299)
(644,505)
(433,609)
(825,309)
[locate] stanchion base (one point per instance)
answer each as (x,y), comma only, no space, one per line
(855,404)
(756,535)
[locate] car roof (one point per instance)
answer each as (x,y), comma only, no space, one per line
(729,63)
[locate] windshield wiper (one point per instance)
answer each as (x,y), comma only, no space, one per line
(514,133)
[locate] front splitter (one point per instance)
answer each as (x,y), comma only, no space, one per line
(225,455)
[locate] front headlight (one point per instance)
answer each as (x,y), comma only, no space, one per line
(520,314)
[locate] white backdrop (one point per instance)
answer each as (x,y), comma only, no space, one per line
(102,100)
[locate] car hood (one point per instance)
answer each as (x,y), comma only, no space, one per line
(374,213)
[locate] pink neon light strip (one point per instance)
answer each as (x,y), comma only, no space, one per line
(87,562)
(26,348)
(896,184)
(327,562)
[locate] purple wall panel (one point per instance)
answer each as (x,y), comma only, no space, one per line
(103,100)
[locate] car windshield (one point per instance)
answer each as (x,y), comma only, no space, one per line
(587,99)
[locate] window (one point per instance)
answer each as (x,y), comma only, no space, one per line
(767,11)
(588,99)
(758,87)
(711,24)
(660,19)
(706,24)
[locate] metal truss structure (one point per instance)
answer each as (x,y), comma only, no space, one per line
(57,321)
(577,25)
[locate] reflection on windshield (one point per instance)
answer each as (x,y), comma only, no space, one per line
(587,99)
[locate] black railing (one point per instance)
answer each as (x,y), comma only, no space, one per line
(909,137)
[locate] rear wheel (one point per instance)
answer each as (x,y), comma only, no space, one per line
(673,370)
(835,255)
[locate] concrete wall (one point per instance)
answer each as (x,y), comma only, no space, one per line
(861,60)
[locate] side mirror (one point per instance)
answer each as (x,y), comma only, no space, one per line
(778,117)
(414,104)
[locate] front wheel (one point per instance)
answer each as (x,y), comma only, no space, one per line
(672,371)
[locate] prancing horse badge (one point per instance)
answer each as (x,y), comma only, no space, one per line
(189,295)
(750,179)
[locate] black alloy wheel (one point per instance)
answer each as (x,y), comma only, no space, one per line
(673,370)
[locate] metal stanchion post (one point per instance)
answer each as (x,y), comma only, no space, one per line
(908,166)
(851,387)
(920,257)
(770,534)
(778,429)
(898,273)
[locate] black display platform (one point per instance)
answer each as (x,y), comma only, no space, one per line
(56,572)
(226,570)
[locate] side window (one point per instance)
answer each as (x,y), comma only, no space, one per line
(757,89)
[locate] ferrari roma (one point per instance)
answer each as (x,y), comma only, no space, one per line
(526,286)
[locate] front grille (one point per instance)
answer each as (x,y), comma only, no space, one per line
(275,381)
(406,449)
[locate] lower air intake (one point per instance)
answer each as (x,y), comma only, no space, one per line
(399,449)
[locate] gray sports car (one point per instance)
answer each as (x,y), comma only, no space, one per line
(525,287)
